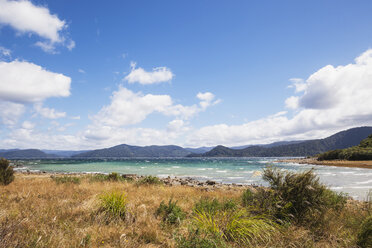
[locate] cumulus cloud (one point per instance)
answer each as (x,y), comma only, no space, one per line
(128,108)
(206,99)
(25,17)
(157,75)
(22,82)
(10,112)
(332,99)
(48,113)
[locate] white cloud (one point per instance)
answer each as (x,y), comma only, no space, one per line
(333,99)
(298,83)
(4,52)
(22,81)
(48,113)
(11,112)
(157,75)
(128,108)
(26,17)
(81,71)
(206,99)
(28,125)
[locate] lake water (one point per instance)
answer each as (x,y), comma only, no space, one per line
(356,182)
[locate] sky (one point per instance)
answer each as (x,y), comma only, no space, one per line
(78,75)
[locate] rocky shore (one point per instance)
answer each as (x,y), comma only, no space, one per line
(207,185)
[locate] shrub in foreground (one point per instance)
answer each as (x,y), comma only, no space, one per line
(365,234)
(238,226)
(301,194)
(6,172)
(113,204)
(171,213)
(66,179)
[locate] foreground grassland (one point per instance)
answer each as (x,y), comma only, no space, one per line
(86,211)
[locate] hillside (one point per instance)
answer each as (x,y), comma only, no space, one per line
(25,154)
(339,140)
(363,151)
(122,151)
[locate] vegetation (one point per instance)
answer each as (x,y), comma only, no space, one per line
(365,234)
(112,177)
(171,213)
(6,172)
(363,151)
(66,179)
(297,211)
(149,180)
(339,140)
(113,204)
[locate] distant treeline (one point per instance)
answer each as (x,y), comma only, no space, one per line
(363,151)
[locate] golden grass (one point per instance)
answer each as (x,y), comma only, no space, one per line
(37,212)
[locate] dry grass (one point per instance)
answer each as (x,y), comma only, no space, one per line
(37,212)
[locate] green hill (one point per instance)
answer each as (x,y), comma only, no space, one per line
(363,151)
(344,139)
(122,151)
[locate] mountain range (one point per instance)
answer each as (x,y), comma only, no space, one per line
(340,140)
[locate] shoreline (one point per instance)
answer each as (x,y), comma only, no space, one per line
(208,185)
(338,163)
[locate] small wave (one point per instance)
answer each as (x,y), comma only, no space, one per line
(175,167)
(201,169)
(221,171)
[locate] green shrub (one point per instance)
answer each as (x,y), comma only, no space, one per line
(113,204)
(247,197)
(6,172)
(171,213)
(196,239)
(211,206)
(365,234)
(235,225)
(148,180)
(112,177)
(301,195)
(66,179)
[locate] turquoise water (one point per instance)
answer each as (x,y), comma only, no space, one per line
(354,181)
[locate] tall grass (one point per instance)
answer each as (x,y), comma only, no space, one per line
(236,225)
(113,204)
(66,179)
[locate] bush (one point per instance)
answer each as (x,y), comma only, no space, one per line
(147,180)
(171,213)
(112,177)
(301,195)
(113,204)
(247,197)
(66,179)
(6,172)
(365,234)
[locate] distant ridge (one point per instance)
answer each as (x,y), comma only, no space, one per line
(340,140)
(127,151)
(25,154)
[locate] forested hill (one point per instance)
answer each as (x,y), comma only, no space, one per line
(344,139)
(122,151)
(25,154)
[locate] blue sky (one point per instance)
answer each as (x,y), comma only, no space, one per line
(91,74)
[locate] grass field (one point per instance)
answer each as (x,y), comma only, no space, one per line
(39,211)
